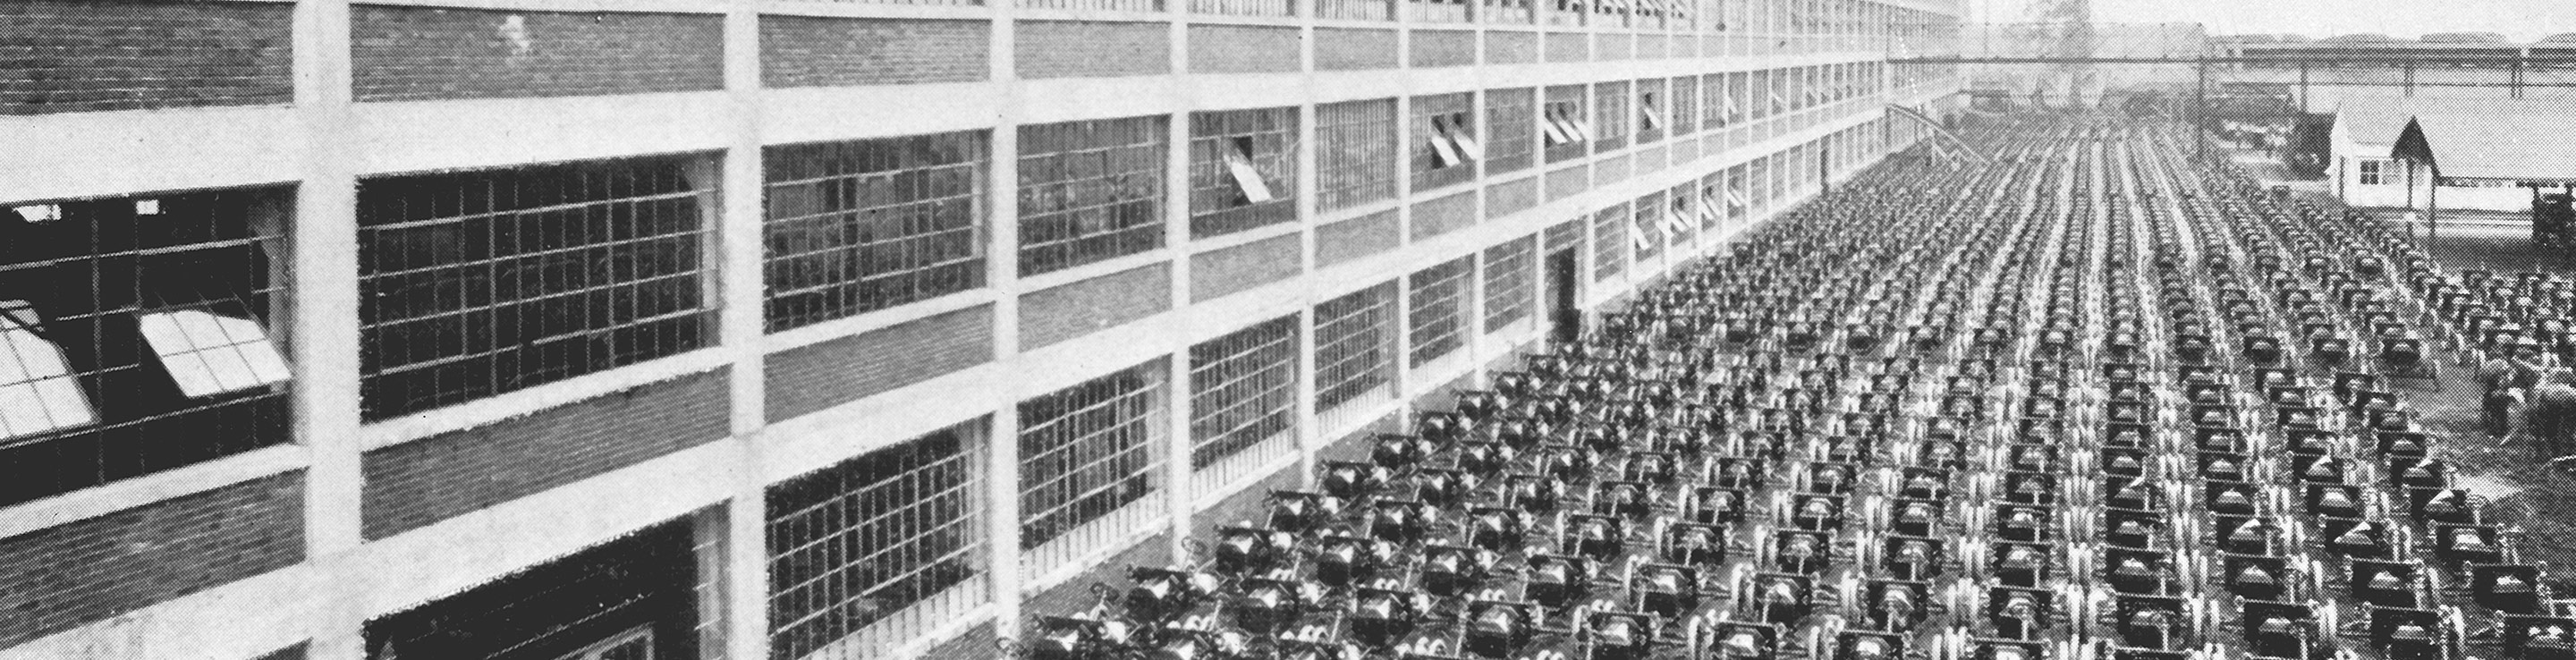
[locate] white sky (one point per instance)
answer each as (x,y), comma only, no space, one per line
(2519,20)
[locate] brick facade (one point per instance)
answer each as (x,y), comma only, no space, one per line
(62,577)
(1357,237)
(1443,215)
(1566,182)
(812,378)
(1569,47)
(422,53)
(1244,49)
(1511,47)
(807,51)
(1440,48)
(1614,47)
(1223,272)
(1346,49)
(127,55)
(1091,49)
(415,484)
(1511,196)
(1054,315)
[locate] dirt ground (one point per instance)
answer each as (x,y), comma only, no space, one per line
(2523,492)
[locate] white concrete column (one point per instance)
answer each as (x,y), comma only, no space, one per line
(323,335)
(1001,273)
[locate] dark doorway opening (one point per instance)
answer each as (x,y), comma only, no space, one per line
(1565,317)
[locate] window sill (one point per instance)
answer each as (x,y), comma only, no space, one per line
(110,498)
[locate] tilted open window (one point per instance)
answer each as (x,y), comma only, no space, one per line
(139,334)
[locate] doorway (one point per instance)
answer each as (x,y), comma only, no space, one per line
(1565,317)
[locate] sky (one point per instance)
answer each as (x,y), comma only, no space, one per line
(2519,20)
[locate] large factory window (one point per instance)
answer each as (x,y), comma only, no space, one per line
(1686,103)
(1648,217)
(854,227)
(635,597)
(1243,170)
(1445,146)
(1511,129)
(482,282)
(1437,309)
(1564,127)
(1510,272)
(877,549)
(1355,348)
(1088,453)
(1243,400)
(139,334)
(1611,121)
(1651,119)
(1609,241)
(1356,155)
(1090,191)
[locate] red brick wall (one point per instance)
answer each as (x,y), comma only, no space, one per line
(1357,237)
(1091,49)
(1650,46)
(1243,49)
(1444,215)
(811,378)
(1438,48)
(1511,197)
(74,574)
(1223,272)
(1569,47)
(1568,182)
(807,51)
(416,53)
(1073,310)
(124,55)
(1343,49)
(424,481)
(1511,47)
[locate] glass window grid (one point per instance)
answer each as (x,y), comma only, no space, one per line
(1684,115)
(1651,100)
(859,542)
(482,282)
(1451,109)
(1355,10)
(1354,345)
(1682,202)
(1243,390)
(1566,101)
(1438,11)
(1270,8)
(1437,318)
(1567,12)
(1609,241)
(1089,450)
(1610,13)
(1090,191)
(1095,5)
(1510,282)
(1611,124)
(1505,12)
(855,227)
(1217,206)
(1356,156)
(1647,219)
(946,3)
(1511,133)
(82,281)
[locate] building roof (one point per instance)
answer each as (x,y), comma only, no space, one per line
(2479,139)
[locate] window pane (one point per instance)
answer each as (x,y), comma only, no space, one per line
(482,282)
(1090,191)
(854,227)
